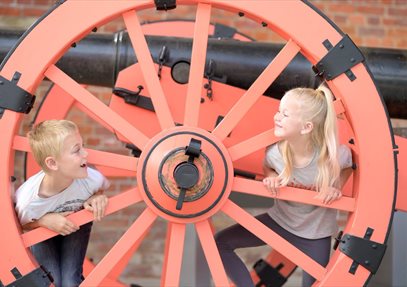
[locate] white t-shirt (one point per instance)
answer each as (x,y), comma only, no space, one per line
(30,206)
(304,220)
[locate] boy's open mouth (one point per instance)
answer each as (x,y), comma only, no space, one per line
(83,165)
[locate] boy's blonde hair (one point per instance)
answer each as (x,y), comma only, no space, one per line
(47,139)
(316,106)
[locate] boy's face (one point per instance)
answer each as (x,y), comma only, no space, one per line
(72,162)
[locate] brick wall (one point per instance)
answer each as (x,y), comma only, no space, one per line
(376,23)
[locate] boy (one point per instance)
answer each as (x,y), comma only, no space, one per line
(63,186)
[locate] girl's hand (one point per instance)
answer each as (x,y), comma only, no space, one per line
(329,195)
(96,204)
(58,222)
(272,184)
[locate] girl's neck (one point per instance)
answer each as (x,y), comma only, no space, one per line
(52,185)
(301,146)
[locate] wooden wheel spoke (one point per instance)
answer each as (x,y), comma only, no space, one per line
(137,230)
(148,70)
(254,187)
(104,113)
(96,157)
(116,203)
(273,239)
(96,118)
(257,89)
(251,145)
(211,252)
(198,58)
(173,254)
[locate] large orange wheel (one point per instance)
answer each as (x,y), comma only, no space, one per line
(305,30)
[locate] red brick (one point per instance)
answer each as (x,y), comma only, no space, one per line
(10,11)
(371,10)
(33,12)
(374,20)
(398,33)
(397,11)
(356,19)
(23,2)
(341,7)
(368,31)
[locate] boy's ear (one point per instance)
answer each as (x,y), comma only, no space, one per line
(51,163)
(307,128)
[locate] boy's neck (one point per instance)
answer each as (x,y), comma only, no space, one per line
(53,184)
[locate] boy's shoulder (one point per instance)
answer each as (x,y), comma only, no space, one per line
(29,188)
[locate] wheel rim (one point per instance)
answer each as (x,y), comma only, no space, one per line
(370,149)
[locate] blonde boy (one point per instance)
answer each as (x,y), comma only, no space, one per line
(64,185)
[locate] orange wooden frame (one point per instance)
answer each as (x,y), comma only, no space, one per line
(304,29)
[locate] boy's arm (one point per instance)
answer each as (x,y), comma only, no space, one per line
(56,222)
(97,204)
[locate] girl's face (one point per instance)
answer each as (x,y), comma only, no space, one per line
(287,121)
(72,162)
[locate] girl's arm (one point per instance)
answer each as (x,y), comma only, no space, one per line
(334,192)
(271,180)
(268,171)
(344,176)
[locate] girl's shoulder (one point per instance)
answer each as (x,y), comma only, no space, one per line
(273,150)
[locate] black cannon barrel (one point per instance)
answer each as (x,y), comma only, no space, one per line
(97,59)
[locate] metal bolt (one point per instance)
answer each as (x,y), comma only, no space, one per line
(341,46)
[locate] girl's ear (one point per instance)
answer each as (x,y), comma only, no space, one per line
(51,163)
(307,128)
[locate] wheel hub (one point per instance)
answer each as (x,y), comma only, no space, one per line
(185,173)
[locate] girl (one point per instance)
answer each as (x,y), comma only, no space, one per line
(307,156)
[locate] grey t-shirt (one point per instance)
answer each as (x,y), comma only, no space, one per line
(304,220)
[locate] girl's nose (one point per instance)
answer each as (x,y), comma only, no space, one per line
(84,152)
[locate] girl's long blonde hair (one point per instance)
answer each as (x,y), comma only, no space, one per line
(316,106)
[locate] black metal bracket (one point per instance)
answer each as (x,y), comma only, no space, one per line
(186,174)
(135,98)
(209,74)
(162,59)
(165,4)
(40,277)
(363,251)
(339,59)
(269,275)
(14,98)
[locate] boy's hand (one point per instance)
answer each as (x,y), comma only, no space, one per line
(58,222)
(272,184)
(329,196)
(96,204)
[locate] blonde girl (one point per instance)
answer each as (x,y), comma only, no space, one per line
(306,156)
